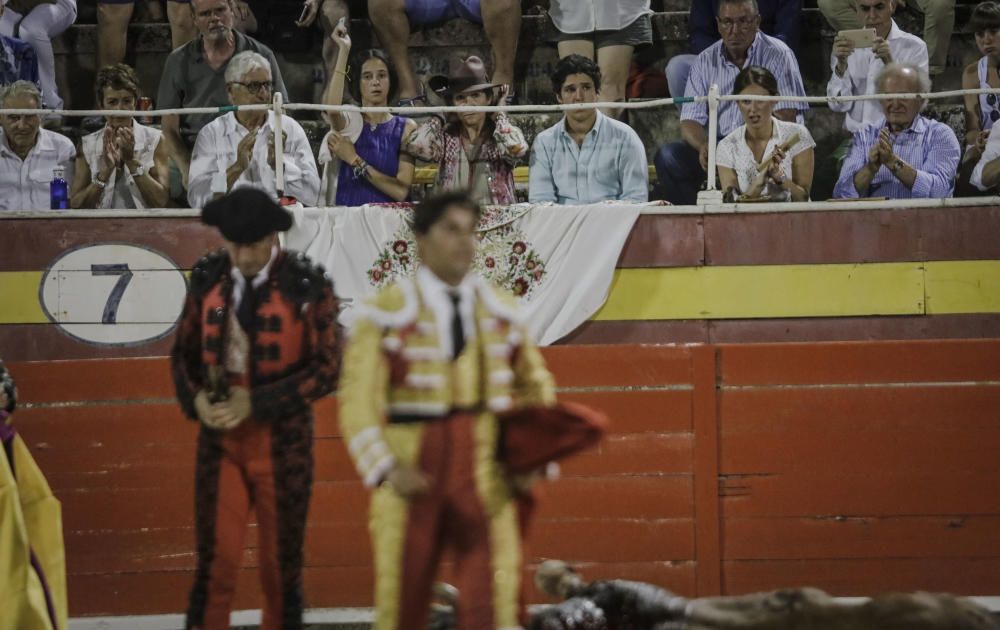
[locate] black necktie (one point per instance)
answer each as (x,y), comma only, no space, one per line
(457,331)
(246,312)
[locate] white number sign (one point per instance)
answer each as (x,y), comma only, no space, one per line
(113,294)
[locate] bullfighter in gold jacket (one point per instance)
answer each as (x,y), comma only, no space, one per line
(429,364)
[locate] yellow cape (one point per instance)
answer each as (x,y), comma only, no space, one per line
(30,521)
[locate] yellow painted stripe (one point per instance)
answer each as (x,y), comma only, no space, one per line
(963,286)
(739,292)
(19,304)
(765,291)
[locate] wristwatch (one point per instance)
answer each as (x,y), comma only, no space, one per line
(99,183)
(895,168)
(139,172)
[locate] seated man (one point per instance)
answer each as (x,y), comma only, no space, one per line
(855,69)
(681,166)
(238,148)
(904,155)
(586,157)
(392,19)
(939,21)
(29,155)
(194,75)
(17,59)
(778,18)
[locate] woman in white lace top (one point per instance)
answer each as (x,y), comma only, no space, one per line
(789,171)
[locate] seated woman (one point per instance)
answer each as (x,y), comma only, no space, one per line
(372,169)
(981,110)
(474,151)
(789,172)
(123,165)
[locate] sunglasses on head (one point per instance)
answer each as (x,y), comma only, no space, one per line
(991,100)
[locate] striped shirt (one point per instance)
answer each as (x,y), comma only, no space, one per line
(928,146)
(713,67)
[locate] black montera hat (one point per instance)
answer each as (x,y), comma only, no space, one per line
(246,215)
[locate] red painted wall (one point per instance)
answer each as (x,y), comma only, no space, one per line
(853,467)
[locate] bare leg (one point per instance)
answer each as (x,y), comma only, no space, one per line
(112,31)
(392,27)
(330,13)
(576,47)
(181,23)
(502,23)
(614,62)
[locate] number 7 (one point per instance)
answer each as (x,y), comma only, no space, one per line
(124,277)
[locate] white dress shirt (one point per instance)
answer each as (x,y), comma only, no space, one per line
(587,16)
(437,295)
(734,152)
(24,185)
(215,151)
(862,70)
(123,192)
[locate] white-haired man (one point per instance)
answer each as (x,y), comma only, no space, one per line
(237,149)
(29,155)
(194,74)
(903,155)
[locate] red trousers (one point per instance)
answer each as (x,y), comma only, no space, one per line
(236,471)
(452,519)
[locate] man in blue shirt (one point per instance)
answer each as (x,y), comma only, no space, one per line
(778,18)
(586,157)
(903,155)
(681,166)
(17,59)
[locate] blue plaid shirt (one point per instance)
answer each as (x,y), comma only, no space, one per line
(928,146)
(713,66)
(17,61)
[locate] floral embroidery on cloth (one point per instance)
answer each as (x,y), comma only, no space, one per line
(504,257)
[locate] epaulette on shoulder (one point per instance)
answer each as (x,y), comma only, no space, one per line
(207,271)
(302,280)
(500,303)
(394,306)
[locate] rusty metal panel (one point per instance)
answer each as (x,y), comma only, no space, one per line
(664,241)
(902,235)
(32,244)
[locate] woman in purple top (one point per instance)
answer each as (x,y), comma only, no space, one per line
(372,168)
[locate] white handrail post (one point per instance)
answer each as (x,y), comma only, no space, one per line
(711,196)
(279,147)
(713,131)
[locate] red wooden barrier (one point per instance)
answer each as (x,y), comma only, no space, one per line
(858,468)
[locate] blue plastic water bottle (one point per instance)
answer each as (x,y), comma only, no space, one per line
(58,190)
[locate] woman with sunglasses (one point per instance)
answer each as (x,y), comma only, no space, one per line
(789,170)
(982,110)
(372,168)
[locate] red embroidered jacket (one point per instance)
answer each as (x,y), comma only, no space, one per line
(295,347)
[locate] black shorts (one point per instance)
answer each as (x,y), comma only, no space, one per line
(639,32)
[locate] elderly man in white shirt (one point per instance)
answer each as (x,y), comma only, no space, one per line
(29,155)
(237,149)
(855,69)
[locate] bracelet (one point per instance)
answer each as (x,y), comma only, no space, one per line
(360,169)
(139,171)
(97,182)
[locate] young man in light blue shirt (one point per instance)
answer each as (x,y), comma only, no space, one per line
(586,157)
